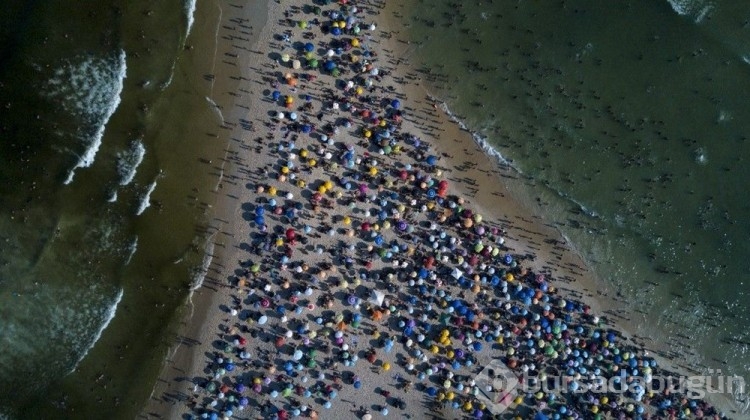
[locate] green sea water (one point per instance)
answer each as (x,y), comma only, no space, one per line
(628,124)
(111,150)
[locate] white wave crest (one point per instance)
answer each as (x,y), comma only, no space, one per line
(89,89)
(145,199)
(478,138)
(190,11)
(216,109)
(108,316)
(129,160)
(131,250)
(697,9)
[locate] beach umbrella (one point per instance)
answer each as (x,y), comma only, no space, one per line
(285,57)
(262,320)
(330,65)
(396,104)
(296,64)
(309,47)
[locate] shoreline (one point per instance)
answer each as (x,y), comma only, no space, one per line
(206,296)
(475,178)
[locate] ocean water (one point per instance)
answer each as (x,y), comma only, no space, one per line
(628,125)
(105,196)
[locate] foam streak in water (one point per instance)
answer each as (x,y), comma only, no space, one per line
(111,311)
(697,9)
(190,11)
(479,139)
(89,90)
(128,161)
(146,199)
(208,257)
(216,109)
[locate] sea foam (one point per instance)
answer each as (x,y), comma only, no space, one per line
(190,11)
(129,160)
(478,138)
(89,89)
(697,9)
(108,316)
(145,201)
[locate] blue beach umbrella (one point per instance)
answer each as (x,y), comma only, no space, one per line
(309,47)
(396,104)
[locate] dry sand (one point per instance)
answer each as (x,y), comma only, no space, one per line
(244,81)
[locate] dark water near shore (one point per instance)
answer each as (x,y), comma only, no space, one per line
(629,124)
(106,186)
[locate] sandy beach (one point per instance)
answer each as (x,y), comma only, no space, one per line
(368,259)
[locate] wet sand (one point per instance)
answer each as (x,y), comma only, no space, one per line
(253,159)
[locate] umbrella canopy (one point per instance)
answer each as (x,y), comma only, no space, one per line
(377,297)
